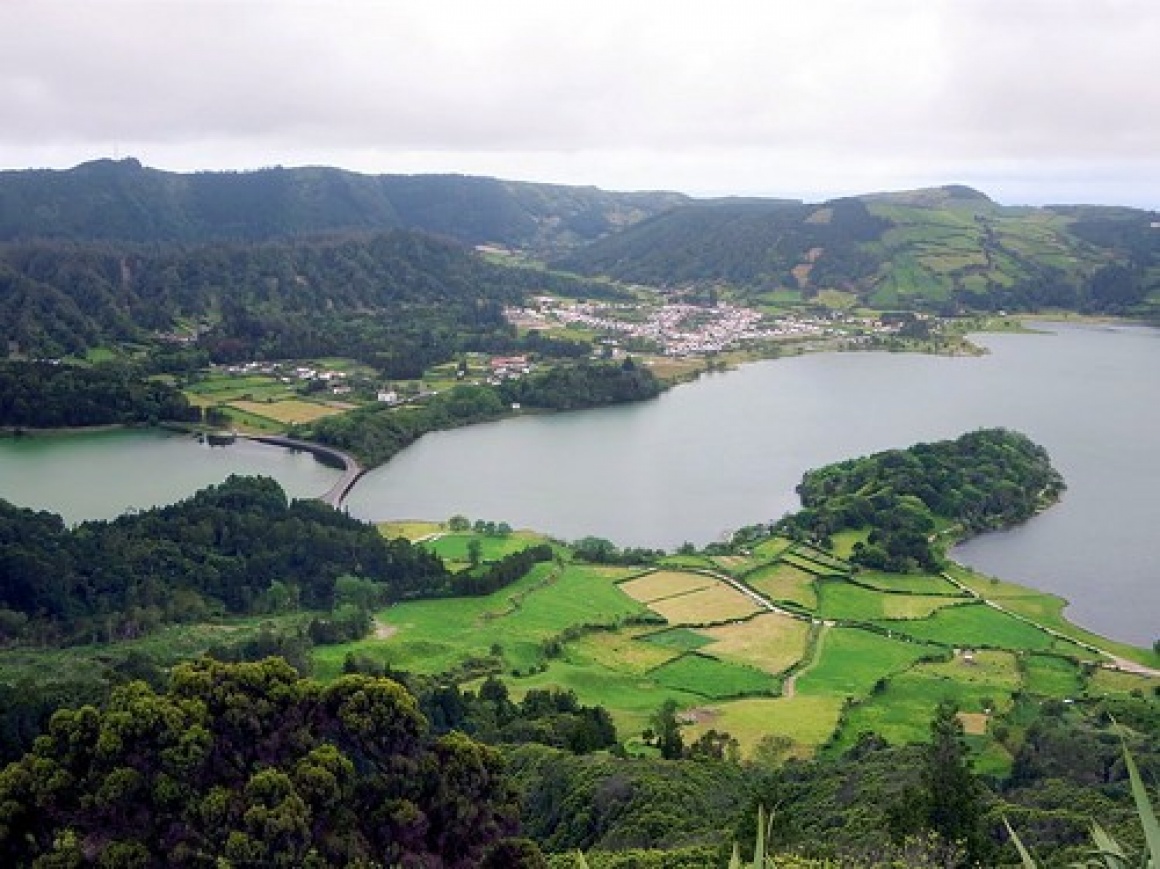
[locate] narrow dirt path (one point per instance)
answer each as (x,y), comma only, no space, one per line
(789,687)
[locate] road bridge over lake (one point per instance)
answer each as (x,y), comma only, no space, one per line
(351,469)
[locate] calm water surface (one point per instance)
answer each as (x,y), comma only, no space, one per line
(727,451)
(101,475)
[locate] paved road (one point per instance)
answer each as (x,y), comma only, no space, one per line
(352,470)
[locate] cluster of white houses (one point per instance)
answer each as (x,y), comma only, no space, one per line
(689,330)
(303,374)
(677,329)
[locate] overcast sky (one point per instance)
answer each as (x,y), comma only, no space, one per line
(1032,101)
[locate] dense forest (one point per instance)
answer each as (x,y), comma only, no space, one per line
(249,765)
(399,301)
(125,201)
(252,762)
(986,479)
(45,395)
(239,547)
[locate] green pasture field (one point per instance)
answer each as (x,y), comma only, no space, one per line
(697,562)
(900,714)
(252,387)
(680,639)
(769,549)
(782,581)
(837,299)
(820,556)
(711,678)
(734,565)
(344,364)
(1104,681)
(101,354)
(901,711)
(631,698)
(840,599)
(769,642)
(776,300)
(990,756)
(980,625)
(241,419)
(434,636)
(453,546)
(850,661)
(1049,676)
(810,565)
(914,583)
(806,721)
(1046,609)
(843,542)
(627,650)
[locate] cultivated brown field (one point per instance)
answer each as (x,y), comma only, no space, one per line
(290,411)
(772,642)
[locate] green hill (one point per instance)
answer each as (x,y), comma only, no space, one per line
(393,295)
(125,201)
(945,249)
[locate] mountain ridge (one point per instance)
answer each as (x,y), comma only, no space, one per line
(122,200)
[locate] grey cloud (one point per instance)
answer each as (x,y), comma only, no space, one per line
(766,96)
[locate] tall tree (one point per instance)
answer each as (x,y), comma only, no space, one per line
(954,796)
(668,730)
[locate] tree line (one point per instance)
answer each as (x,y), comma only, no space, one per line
(240,547)
(395,300)
(46,395)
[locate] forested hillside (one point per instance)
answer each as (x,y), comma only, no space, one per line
(124,201)
(239,547)
(112,251)
(44,395)
(397,300)
(753,244)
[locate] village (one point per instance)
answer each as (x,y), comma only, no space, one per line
(682,329)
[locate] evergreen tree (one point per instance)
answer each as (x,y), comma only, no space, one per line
(953,795)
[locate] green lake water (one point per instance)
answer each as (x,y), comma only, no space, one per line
(103,474)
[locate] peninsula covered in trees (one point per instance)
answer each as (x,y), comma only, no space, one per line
(982,481)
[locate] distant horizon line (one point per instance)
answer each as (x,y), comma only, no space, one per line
(697,196)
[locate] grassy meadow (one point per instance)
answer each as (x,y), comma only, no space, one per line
(853,651)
